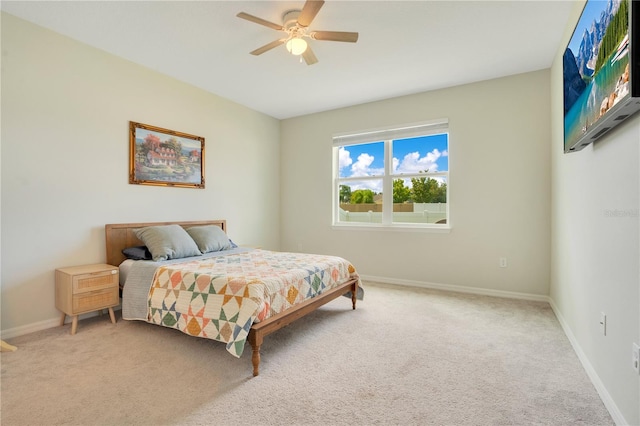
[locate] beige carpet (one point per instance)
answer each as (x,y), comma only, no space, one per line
(405,356)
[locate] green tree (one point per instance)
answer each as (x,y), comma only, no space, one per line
(614,34)
(345,194)
(428,190)
(400,192)
(422,189)
(362,196)
(441,194)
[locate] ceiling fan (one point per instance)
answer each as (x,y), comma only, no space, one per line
(296,26)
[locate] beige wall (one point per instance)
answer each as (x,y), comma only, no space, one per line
(65,114)
(499,156)
(595,255)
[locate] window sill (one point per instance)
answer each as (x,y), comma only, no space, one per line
(439,229)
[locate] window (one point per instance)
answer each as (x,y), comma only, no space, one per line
(395,177)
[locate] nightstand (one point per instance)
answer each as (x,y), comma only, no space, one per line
(87,288)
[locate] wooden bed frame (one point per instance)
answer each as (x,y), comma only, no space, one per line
(120,236)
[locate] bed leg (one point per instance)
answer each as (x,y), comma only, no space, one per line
(354,295)
(255,359)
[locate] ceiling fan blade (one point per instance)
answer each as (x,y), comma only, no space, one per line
(309,56)
(267,47)
(334,36)
(260,21)
(309,11)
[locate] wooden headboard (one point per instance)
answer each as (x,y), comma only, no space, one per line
(120,236)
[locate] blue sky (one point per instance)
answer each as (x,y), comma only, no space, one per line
(409,155)
(591,13)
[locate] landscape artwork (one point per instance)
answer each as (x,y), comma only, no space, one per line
(164,157)
(595,66)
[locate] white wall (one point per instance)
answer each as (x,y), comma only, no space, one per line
(66,108)
(499,156)
(595,254)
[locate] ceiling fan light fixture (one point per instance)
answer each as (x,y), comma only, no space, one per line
(296,25)
(296,46)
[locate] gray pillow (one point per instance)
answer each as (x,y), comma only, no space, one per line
(167,242)
(209,238)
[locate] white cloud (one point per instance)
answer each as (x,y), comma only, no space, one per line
(344,158)
(412,162)
(374,185)
(362,166)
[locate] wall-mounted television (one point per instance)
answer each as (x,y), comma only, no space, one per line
(601,71)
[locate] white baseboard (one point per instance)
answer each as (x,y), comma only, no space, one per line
(29,328)
(458,288)
(43,325)
(611,406)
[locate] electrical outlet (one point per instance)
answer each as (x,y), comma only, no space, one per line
(503,262)
(635,359)
(603,323)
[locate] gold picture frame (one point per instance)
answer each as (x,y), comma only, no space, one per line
(164,157)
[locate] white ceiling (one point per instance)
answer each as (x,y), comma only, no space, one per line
(404,46)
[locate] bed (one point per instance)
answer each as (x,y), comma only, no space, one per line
(258,284)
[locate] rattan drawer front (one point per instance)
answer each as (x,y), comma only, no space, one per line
(86,302)
(92,282)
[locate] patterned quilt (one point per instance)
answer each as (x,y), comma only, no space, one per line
(221,297)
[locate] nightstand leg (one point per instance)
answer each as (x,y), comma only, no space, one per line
(112,315)
(64,316)
(74,324)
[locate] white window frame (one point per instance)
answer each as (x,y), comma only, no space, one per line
(387,135)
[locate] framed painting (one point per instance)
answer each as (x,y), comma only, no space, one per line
(164,157)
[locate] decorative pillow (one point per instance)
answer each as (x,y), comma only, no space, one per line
(167,242)
(209,238)
(137,253)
